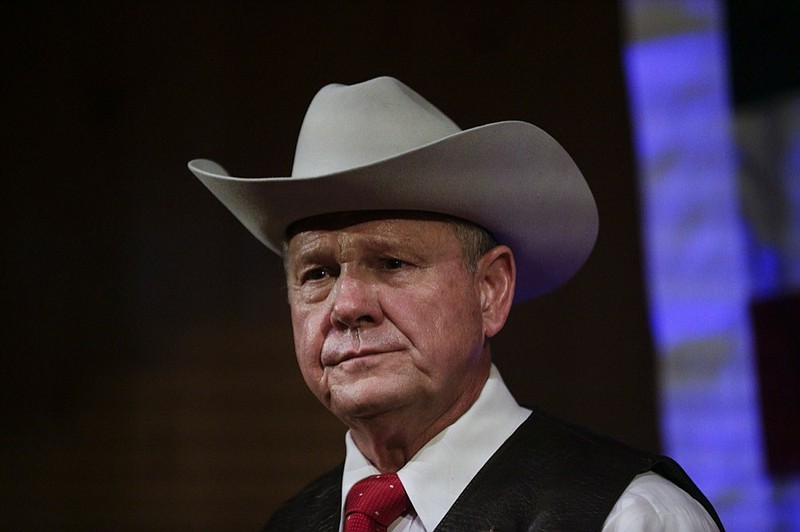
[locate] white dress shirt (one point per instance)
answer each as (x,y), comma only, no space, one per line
(441,470)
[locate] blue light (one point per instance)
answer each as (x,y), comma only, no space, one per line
(703,261)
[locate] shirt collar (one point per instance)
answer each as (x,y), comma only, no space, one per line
(441,470)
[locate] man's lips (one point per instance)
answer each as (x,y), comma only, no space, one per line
(352,355)
(337,357)
(339,350)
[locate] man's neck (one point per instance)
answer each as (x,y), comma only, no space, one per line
(389,441)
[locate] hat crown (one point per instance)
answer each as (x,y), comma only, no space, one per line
(349,126)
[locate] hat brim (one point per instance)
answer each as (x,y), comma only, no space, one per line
(511,178)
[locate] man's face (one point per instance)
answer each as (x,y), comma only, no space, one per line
(386,318)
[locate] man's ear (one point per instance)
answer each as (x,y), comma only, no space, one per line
(497,276)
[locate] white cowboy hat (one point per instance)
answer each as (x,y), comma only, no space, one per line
(379,145)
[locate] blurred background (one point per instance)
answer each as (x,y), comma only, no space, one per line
(148,379)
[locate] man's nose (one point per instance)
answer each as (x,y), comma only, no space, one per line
(355,302)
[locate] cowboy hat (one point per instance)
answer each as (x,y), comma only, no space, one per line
(379,145)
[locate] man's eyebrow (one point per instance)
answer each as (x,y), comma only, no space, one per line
(382,243)
(305,248)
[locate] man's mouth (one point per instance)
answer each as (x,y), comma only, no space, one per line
(355,344)
(336,358)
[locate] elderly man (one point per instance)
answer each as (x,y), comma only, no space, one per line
(405,241)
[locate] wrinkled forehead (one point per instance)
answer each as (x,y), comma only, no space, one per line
(378,231)
(341,220)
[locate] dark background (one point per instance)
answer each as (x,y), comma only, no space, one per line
(148,379)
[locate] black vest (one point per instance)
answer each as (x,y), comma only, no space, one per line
(548,476)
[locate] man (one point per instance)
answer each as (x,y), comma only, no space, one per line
(402,238)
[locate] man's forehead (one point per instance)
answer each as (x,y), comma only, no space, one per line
(341,220)
(409,232)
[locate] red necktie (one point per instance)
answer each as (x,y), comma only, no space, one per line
(374,503)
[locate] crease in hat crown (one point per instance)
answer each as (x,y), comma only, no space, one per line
(349,126)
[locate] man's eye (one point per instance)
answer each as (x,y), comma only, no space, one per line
(393,264)
(316,274)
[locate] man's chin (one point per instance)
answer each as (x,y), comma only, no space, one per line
(358,402)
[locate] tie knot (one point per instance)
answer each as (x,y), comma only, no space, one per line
(380,498)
